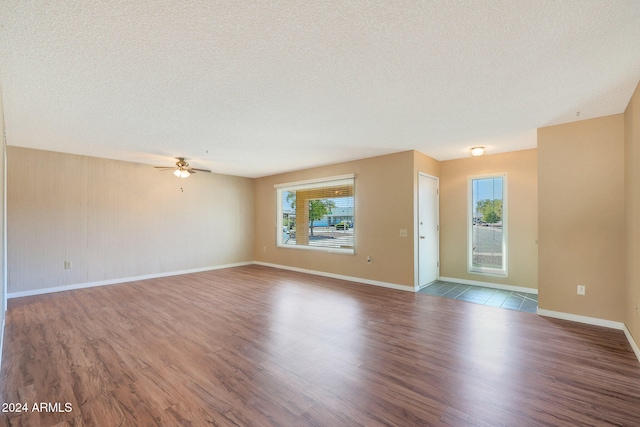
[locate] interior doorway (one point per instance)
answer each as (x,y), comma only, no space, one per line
(428,230)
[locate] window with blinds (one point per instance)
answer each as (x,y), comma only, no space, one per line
(487,224)
(317,214)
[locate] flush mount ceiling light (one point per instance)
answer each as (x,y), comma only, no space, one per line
(477,151)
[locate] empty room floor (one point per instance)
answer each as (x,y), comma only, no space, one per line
(259,346)
(519,301)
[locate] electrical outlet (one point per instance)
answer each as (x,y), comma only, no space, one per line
(582,289)
(68,265)
(403,232)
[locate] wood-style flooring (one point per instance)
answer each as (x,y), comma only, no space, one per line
(255,346)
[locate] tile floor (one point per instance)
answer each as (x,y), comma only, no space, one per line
(519,301)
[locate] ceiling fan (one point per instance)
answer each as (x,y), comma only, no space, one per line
(181,169)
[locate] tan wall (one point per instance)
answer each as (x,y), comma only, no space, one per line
(521,169)
(581,217)
(423,164)
(632,215)
(115,219)
(384,205)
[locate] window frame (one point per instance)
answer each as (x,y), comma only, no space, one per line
(498,272)
(311,184)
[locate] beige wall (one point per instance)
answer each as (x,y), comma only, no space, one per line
(522,208)
(581,217)
(423,164)
(385,197)
(115,219)
(632,215)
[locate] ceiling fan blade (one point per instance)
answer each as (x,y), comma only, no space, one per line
(181,165)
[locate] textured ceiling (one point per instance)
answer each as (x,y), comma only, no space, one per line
(256,88)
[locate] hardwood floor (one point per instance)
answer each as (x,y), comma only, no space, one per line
(258,346)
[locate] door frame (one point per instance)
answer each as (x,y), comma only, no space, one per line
(417,284)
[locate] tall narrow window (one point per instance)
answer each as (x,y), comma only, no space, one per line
(318,214)
(487,222)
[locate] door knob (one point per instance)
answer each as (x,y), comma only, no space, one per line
(422,237)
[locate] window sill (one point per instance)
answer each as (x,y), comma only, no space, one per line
(488,272)
(346,251)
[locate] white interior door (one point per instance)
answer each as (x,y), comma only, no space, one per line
(428,230)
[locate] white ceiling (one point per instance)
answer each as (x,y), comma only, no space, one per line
(253,88)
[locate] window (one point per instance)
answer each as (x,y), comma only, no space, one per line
(317,215)
(487,224)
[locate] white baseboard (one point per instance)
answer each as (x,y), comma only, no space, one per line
(121,280)
(542,312)
(490,285)
(632,342)
(581,319)
(339,276)
(594,321)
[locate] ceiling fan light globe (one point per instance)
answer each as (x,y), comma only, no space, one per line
(181,173)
